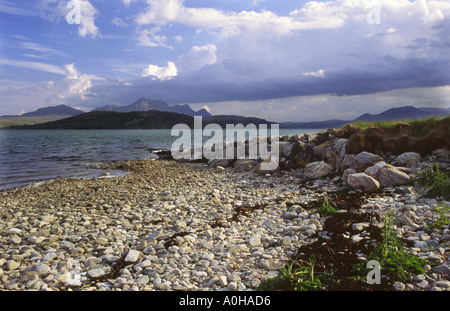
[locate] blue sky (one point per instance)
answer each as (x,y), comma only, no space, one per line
(287,60)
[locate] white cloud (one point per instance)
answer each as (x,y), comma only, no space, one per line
(317,74)
(33,66)
(57,11)
(197,58)
(161,73)
(74,89)
(74,84)
(149,37)
(119,22)
(87,26)
(162,12)
(128,2)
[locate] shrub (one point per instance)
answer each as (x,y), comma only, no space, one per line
(394,260)
(435,180)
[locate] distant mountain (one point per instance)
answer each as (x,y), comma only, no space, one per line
(41,115)
(403,113)
(118,120)
(144,104)
(61,110)
(393,114)
(153,119)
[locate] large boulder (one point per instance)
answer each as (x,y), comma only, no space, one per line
(366,159)
(316,170)
(388,175)
(302,154)
(363,181)
(407,159)
(356,144)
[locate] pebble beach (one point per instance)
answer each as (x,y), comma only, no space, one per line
(190,227)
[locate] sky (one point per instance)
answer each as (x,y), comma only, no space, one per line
(282,60)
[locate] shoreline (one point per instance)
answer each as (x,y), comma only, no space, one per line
(183,226)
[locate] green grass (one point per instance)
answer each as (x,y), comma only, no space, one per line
(395,261)
(442,220)
(435,180)
(326,209)
(419,127)
(301,278)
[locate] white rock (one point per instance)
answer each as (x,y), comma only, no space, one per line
(13,231)
(255,240)
(363,181)
(132,256)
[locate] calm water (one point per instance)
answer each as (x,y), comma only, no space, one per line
(31,156)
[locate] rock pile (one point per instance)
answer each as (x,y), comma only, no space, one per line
(326,154)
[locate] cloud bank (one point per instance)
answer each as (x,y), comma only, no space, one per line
(320,53)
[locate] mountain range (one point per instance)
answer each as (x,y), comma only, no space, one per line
(144,104)
(393,114)
(141,113)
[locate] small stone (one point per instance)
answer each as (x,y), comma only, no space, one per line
(232,286)
(288,215)
(15,240)
(442,283)
(356,238)
(360,226)
(143,280)
(153,236)
(13,231)
(442,269)
(95,273)
(49,256)
(234,277)
(254,241)
(101,241)
(39,268)
(12,265)
(223,281)
(286,241)
(404,220)
(132,256)
(209,257)
(399,286)
(165,286)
